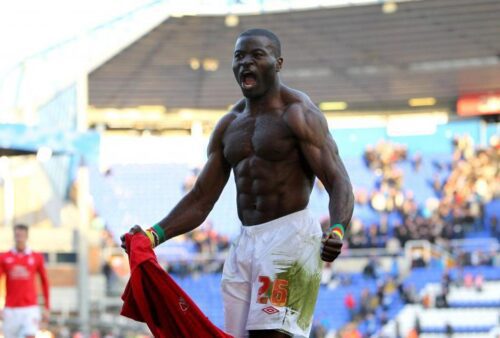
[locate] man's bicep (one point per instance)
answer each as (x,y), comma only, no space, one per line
(324,161)
(213,176)
(321,151)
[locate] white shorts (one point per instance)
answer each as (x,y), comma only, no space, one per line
(21,321)
(271,276)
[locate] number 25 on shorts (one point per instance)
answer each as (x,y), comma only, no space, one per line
(279,291)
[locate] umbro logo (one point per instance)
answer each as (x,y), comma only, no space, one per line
(183,305)
(270,310)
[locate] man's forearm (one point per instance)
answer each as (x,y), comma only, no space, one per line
(341,204)
(188,214)
(45,288)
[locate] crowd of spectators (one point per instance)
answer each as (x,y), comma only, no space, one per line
(457,207)
(384,154)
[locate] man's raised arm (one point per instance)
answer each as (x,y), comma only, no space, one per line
(321,153)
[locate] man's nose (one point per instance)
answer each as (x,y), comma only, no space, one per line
(247,60)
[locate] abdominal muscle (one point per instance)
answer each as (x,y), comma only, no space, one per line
(267,190)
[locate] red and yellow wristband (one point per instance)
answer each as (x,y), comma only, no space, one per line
(156,235)
(338,230)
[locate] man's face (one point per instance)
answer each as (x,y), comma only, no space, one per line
(20,237)
(255,65)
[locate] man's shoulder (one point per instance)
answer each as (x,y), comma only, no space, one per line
(233,112)
(238,107)
(5,257)
(39,258)
(226,120)
(300,109)
(298,103)
(37,255)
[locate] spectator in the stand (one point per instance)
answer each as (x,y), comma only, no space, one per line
(402,234)
(479,282)
(418,260)
(397,329)
(378,200)
(412,333)
(437,185)
(370,158)
(350,304)
(107,271)
(318,330)
(417,162)
(371,324)
(371,269)
(373,235)
(427,302)
(357,236)
(495,231)
(468,280)
(223,243)
(351,331)
(361,196)
(384,318)
(448,330)
(407,293)
(441,300)
(364,302)
(446,280)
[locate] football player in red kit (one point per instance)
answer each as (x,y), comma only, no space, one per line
(21,315)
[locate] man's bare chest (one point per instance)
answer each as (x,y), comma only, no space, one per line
(267,137)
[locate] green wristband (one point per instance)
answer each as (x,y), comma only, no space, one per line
(159,231)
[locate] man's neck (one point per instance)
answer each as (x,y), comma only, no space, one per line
(20,248)
(269,101)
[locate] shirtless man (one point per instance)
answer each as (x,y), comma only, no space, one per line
(276,141)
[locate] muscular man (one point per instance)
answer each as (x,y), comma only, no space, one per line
(276,141)
(20,265)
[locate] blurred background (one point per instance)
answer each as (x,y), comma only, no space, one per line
(105,112)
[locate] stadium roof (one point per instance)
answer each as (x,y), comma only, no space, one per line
(356,54)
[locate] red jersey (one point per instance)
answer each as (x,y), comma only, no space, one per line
(20,269)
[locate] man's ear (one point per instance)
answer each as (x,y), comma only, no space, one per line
(279,64)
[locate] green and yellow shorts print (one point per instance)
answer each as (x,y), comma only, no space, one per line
(272,275)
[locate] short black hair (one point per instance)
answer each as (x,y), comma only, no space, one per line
(268,34)
(21,226)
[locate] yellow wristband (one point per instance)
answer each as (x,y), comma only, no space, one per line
(338,232)
(151,238)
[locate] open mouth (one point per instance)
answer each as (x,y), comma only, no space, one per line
(248,80)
